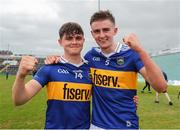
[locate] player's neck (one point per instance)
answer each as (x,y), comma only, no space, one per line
(110,49)
(75,59)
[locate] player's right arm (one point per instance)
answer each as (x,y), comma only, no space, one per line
(21,92)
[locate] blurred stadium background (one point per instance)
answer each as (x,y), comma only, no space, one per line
(9,62)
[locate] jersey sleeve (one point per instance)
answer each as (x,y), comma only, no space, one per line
(138,62)
(42,76)
(88,56)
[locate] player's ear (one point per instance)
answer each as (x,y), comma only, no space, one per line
(92,33)
(115,30)
(59,42)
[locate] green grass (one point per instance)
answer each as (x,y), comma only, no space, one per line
(32,114)
(159,116)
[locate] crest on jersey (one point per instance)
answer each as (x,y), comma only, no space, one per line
(120,61)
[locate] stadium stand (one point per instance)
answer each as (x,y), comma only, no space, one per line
(12,69)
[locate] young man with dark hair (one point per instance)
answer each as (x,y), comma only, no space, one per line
(68,83)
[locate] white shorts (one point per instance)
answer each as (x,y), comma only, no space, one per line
(93,127)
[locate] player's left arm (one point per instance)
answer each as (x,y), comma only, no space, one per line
(151,72)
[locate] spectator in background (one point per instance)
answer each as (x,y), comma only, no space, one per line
(165,92)
(7,73)
(146,85)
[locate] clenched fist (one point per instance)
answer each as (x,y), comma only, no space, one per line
(133,42)
(27,64)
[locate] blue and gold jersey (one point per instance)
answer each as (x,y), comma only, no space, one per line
(68,92)
(115,84)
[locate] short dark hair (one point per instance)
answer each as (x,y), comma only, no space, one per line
(70,28)
(102,15)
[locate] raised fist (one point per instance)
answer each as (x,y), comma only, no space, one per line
(133,42)
(27,64)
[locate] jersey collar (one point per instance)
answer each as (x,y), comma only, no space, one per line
(117,50)
(63,60)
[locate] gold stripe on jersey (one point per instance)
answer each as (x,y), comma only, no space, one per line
(69,91)
(114,79)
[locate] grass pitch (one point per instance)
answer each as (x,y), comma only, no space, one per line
(32,114)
